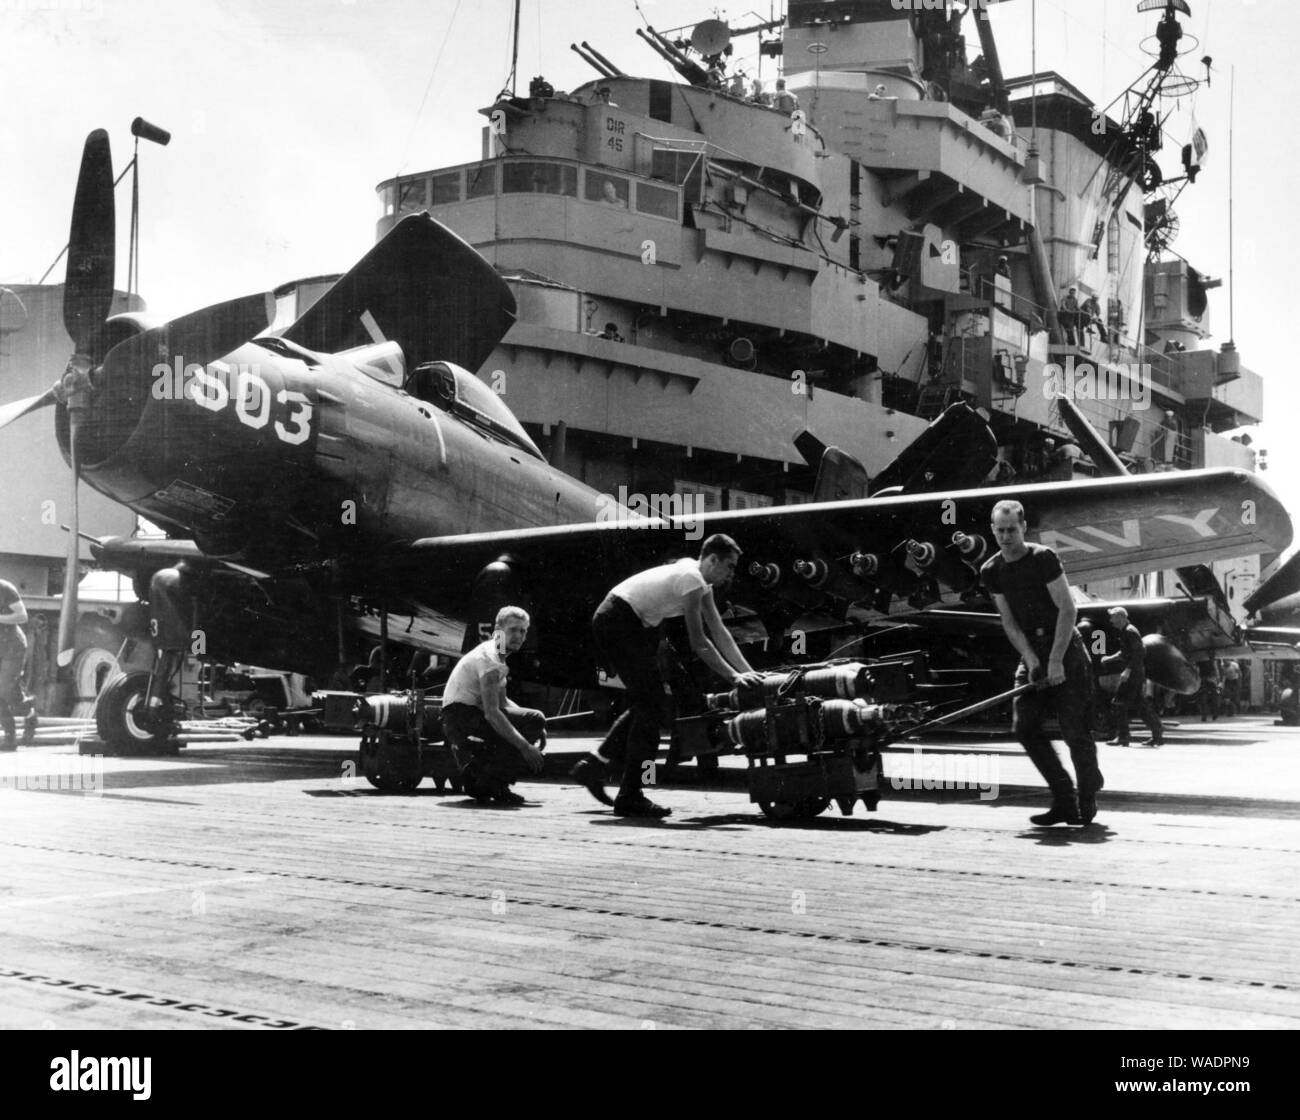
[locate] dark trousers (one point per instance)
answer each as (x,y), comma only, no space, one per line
(12,701)
(1207,699)
(631,650)
(1129,695)
(1072,702)
(1232,696)
(495,761)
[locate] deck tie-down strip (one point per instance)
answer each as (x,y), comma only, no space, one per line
(736,927)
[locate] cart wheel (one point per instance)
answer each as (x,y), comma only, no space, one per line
(871,801)
(802,810)
(389,767)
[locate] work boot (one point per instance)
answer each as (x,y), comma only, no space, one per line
(589,772)
(474,784)
(1153,742)
(1088,802)
(1064,810)
(29,729)
(638,805)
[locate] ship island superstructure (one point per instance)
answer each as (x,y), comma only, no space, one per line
(706,267)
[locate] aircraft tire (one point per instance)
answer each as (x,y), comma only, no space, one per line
(116,718)
(92,668)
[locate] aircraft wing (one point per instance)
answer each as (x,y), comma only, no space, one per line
(421,286)
(1100,528)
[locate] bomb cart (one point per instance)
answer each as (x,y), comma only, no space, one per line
(814,734)
(402,742)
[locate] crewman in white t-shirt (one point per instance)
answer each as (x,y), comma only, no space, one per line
(627,631)
(474,704)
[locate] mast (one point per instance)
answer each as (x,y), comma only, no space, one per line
(514,52)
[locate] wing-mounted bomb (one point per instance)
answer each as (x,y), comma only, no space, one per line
(865,565)
(931,560)
(971,548)
(779,580)
(827,576)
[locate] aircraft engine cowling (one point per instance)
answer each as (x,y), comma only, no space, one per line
(1168,667)
(497,585)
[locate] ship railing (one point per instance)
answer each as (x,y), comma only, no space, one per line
(1164,369)
(984,287)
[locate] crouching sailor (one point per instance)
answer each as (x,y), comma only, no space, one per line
(501,740)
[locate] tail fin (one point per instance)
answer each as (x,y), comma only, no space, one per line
(954,453)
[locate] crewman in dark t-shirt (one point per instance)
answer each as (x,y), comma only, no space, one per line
(1130,661)
(1032,595)
(13,654)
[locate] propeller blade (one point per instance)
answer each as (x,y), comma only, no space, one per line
(68,611)
(196,339)
(1285,581)
(88,287)
(10,412)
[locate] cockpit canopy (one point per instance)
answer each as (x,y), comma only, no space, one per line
(459,392)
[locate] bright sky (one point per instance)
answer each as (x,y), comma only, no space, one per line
(286,113)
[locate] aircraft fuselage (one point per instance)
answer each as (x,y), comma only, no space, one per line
(275,459)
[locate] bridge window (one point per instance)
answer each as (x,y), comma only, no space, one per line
(606,188)
(411,194)
(446,188)
(539,178)
(659,201)
(682,167)
(481,181)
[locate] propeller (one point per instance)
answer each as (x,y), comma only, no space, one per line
(15,409)
(103,382)
(87,301)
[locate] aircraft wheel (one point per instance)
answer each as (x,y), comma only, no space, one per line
(802,810)
(389,767)
(118,718)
